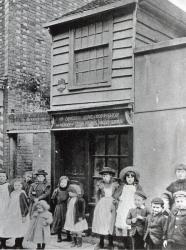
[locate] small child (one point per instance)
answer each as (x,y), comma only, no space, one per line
(75,217)
(28,180)
(176,233)
(17,215)
(5,190)
(136,219)
(180,183)
(156,226)
(105,212)
(129,177)
(39,229)
(59,198)
(39,190)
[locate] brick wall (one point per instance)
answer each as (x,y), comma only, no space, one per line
(25,49)
(29,51)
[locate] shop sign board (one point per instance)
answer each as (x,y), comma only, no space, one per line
(96,119)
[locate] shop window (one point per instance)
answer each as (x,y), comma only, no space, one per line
(110,150)
(91,57)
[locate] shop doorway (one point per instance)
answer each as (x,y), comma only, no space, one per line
(82,154)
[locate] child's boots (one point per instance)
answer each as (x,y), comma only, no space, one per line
(79,241)
(74,241)
(59,238)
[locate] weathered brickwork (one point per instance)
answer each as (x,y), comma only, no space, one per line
(25,71)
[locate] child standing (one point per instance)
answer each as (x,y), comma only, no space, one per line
(180,183)
(156,226)
(59,199)
(136,219)
(5,190)
(75,217)
(28,180)
(17,214)
(125,197)
(39,229)
(176,233)
(39,190)
(104,213)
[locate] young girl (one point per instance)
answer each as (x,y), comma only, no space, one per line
(59,199)
(125,197)
(39,190)
(39,229)
(75,217)
(4,201)
(17,214)
(180,183)
(104,213)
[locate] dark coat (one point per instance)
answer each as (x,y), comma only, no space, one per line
(59,198)
(139,226)
(119,191)
(40,190)
(24,206)
(156,228)
(176,231)
(79,209)
(100,192)
(179,185)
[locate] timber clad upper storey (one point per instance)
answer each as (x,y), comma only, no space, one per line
(92,49)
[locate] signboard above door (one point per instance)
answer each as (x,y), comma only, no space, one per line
(94,119)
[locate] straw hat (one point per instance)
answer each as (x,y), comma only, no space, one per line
(128,169)
(107,170)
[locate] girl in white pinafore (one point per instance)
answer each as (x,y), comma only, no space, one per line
(4,201)
(125,197)
(104,213)
(17,221)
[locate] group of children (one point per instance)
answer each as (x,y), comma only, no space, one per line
(120,213)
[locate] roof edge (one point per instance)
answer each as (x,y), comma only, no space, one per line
(88,13)
(165,45)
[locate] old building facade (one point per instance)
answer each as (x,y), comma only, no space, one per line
(94,101)
(25,82)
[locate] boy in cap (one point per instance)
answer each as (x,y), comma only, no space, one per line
(176,233)
(136,219)
(180,183)
(156,225)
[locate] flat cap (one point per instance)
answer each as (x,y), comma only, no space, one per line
(157,200)
(180,193)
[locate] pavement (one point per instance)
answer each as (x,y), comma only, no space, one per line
(88,244)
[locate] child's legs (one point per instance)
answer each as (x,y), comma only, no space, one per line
(138,241)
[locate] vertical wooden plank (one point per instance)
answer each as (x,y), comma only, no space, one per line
(110,23)
(71,59)
(53,160)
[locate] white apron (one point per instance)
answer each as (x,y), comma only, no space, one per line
(4,201)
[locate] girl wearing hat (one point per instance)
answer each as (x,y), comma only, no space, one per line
(104,213)
(125,198)
(39,190)
(59,198)
(75,217)
(17,214)
(5,189)
(39,229)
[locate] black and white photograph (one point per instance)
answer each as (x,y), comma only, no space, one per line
(93,124)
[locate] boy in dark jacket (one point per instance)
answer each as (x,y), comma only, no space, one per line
(176,233)
(156,226)
(136,219)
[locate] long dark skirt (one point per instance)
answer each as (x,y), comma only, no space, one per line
(59,218)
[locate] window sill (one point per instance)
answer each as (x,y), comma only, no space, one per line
(88,86)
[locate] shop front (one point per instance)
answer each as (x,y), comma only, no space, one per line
(82,143)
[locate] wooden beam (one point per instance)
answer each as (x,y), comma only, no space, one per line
(170,44)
